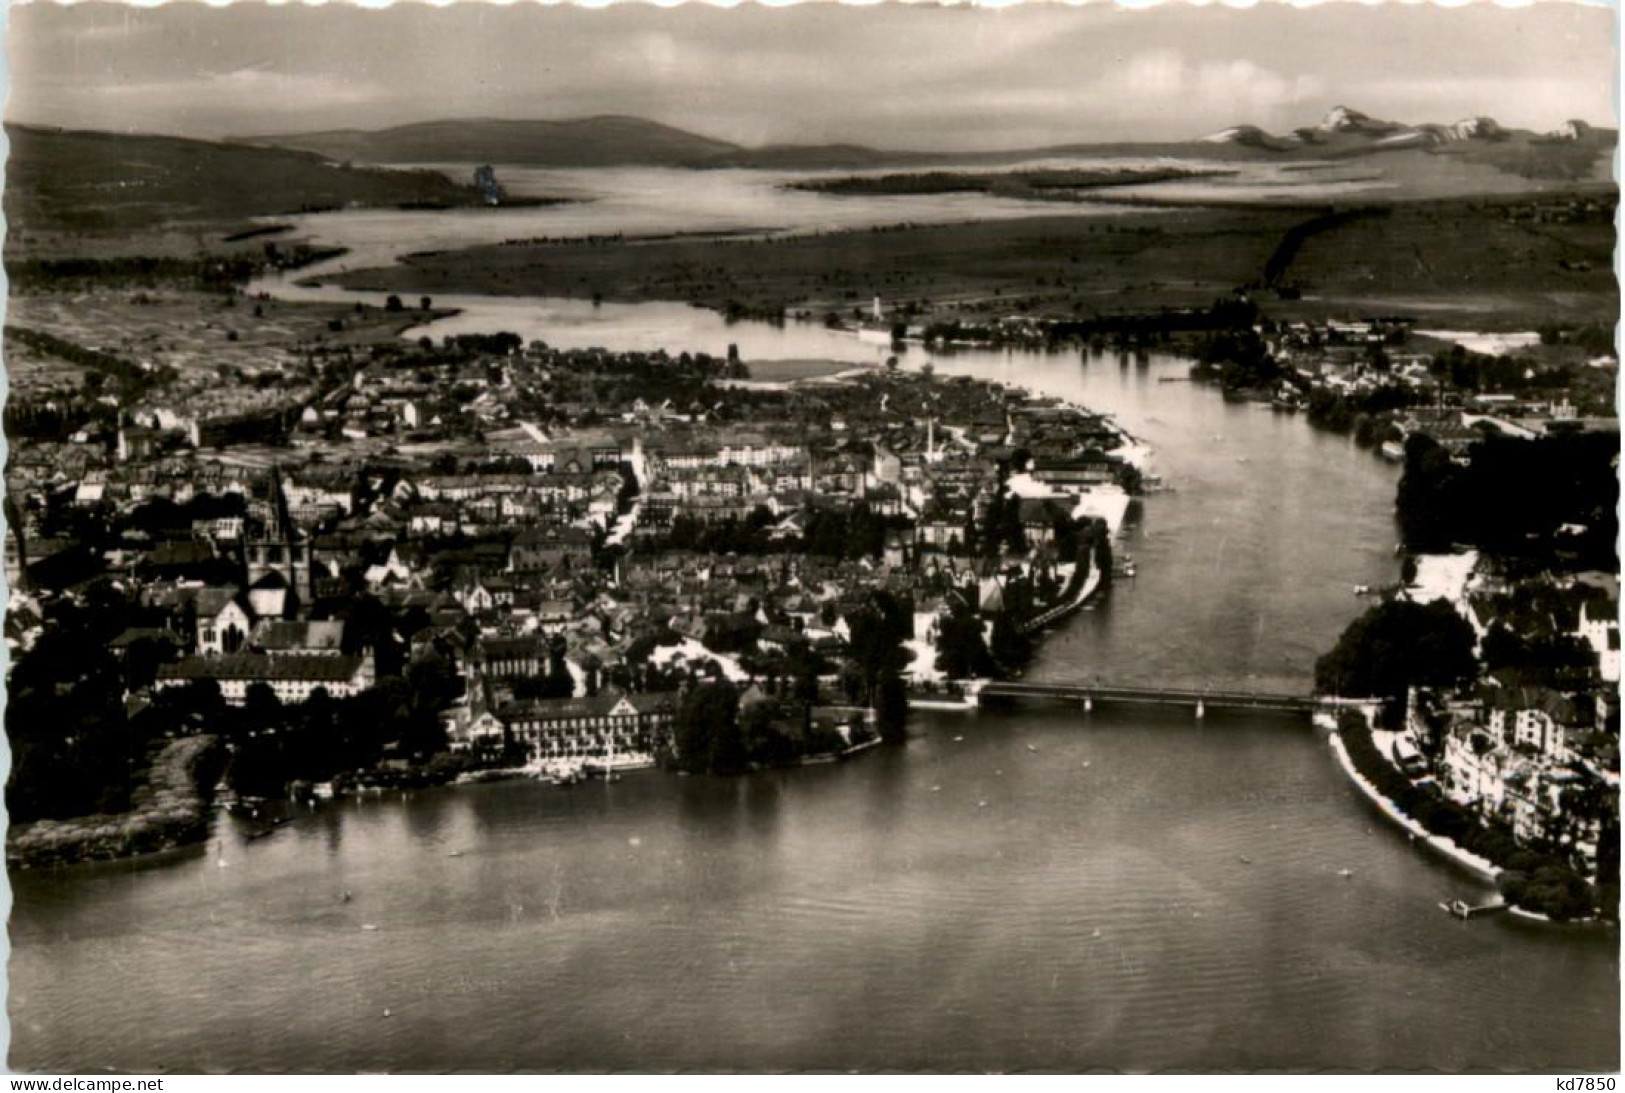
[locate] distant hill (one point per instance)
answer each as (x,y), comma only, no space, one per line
(75,181)
(606,141)
(611,140)
(1248,136)
(1344,131)
(67,180)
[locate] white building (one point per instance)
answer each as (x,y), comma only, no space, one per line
(1599,628)
(292,677)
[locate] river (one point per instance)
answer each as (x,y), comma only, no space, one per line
(1020,889)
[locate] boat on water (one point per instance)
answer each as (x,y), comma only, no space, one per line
(610,767)
(497,774)
(1460,908)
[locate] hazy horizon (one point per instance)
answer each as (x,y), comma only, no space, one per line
(899,77)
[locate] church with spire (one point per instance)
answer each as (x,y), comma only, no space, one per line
(278,554)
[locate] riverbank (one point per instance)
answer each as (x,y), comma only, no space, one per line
(1086,591)
(1564,896)
(171,809)
(1445,848)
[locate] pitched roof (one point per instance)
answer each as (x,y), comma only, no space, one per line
(260,667)
(211,601)
(134,634)
(603,705)
(276,635)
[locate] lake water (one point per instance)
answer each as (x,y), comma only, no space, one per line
(1022,889)
(658,201)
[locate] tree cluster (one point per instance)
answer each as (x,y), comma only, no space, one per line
(962,651)
(855,532)
(1534,880)
(1397,645)
(1515,498)
(1238,359)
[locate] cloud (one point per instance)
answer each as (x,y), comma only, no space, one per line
(1521,100)
(1236,87)
(1160,74)
(912,76)
(247,89)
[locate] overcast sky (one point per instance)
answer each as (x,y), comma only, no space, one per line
(904,77)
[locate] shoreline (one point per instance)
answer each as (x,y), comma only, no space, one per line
(170,810)
(87,846)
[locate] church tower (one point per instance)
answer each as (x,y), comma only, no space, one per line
(280,547)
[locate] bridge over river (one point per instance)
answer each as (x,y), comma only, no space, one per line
(1200,700)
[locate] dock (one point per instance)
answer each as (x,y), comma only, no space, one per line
(1463,910)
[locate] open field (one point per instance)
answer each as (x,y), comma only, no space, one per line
(1508,263)
(1047,265)
(789,371)
(1483,260)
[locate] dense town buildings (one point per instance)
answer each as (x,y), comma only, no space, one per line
(553,548)
(502,554)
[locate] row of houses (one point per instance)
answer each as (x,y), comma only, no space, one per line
(612,729)
(292,676)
